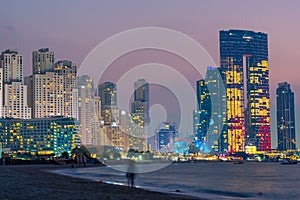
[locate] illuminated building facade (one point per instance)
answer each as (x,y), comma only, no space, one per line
(285,117)
(204,110)
(86,106)
(115,137)
(211,134)
(139,116)
(13,92)
(68,71)
(216,137)
(195,121)
(164,138)
(107,92)
(48,98)
(42,61)
(42,136)
(245,71)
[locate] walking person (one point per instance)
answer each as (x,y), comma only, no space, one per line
(130,173)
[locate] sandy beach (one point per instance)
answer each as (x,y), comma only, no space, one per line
(36,182)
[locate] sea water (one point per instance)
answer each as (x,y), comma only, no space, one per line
(209,180)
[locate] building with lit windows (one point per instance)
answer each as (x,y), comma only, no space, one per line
(195,121)
(13,92)
(115,137)
(12,64)
(15,101)
(164,138)
(285,117)
(87,110)
(210,130)
(68,71)
(41,136)
(42,61)
(216,137)
(107,92)
(48,95)
(204,110)
(245,71)
(139,116)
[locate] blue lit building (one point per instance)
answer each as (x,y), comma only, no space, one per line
(164,137)
(210,132)
(204,112)
(44,136)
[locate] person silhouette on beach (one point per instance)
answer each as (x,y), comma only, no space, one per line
(130,173)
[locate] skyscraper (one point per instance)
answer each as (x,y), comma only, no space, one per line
(245,71)
(211,112)
(48,98)
(42,61)
(108,96)
(14,92)
(140,115)
(204,110)
(12,65)
(285,117)
(164,137)
(86,108)
(68,71)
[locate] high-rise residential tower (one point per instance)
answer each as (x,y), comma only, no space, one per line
(140,115)
(48,95)
(245,71)
(107,92)
(68,71)
(13,92)
(285,117)
(86,104)
(42,61)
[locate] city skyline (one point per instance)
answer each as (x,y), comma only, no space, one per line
(150,99)
(283,49)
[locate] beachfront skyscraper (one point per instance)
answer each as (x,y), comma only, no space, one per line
(47,95)
(13,92)
(12,65)
(86,105)
(42,61)
(211,112)
(204,111)
(68,71)
(285,117)
(245,71)
(107,92)
(139,115)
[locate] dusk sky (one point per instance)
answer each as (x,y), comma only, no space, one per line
(73,28)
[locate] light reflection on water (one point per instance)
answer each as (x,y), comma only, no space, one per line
(213,180)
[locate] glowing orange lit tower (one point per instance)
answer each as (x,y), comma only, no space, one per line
(245,71)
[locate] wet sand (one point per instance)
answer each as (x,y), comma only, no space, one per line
(36,182)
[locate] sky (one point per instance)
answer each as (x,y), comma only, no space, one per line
(73,28)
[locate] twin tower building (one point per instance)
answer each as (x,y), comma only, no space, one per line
(240,118)
(47,92)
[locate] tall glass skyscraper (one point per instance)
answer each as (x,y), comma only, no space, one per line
(108,95)
(210,135)
(204,111)
(245,71)
(285,117)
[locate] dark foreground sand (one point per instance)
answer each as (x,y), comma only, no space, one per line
(34,182)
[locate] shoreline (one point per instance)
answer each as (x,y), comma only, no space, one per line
(39,181)
(68,172)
